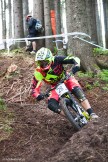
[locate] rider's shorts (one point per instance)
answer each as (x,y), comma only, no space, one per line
(70,84)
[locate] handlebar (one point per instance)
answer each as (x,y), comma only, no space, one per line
(66,77)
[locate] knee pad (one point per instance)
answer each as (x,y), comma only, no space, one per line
(53,105)
(78,92)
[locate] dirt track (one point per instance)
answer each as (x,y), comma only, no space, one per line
(42,136)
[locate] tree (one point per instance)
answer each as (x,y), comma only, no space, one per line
(91,19)
(3,13)
(58,16)
(57,7)
(98,22)
(10,19)
(80,18)
(47,22)
(25,13)
(105,3)
(18,20)
(38,13)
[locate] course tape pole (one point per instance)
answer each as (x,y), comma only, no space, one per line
(74,34)
(50,36)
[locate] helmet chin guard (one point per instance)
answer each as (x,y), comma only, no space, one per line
(44,58)
(46,68)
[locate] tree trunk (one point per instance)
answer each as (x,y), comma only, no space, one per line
(98,23)
(79,21)
(3,9)
(38,13)
(52,4)
(25,13)
(105,4)
(10,19)
(47,22)
(58,21)
(18,21)
(91,19)
(58,16)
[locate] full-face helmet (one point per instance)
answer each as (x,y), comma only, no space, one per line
(44,58)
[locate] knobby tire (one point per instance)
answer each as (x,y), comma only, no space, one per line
(69,114)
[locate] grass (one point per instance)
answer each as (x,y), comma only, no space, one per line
(6,120)
(105,88)
(101,77)
(100,51)
(86,74)
(2,105)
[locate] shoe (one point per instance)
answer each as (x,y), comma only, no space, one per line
(32,52)
(93,116)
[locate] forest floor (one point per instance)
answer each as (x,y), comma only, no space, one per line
(30,132)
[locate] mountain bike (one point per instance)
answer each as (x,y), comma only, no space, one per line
(77,116)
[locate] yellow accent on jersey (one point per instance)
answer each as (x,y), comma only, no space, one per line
(73,57)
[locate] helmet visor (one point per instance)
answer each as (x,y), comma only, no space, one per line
(43,63)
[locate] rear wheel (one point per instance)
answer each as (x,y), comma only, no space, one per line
(70,114)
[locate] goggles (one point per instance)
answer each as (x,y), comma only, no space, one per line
(43,63)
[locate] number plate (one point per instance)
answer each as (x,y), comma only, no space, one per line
(61,89)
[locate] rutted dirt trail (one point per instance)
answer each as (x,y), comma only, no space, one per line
(39,135)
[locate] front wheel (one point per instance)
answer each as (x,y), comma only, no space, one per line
(69,114)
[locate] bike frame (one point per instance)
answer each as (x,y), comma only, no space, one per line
(65,93)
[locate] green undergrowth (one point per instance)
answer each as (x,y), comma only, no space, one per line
(85,75)
(101,78)
(14,52)
(104,75)
(6,120)
(100,51)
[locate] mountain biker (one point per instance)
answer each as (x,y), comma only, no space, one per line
(31,22)
(50,70)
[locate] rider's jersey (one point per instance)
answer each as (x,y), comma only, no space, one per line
(54,74)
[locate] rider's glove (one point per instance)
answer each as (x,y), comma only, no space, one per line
(39,97)
(75,69)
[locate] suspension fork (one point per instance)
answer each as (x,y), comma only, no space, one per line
(74,104)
